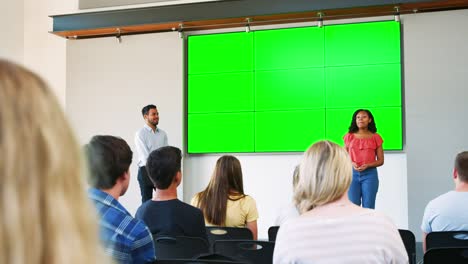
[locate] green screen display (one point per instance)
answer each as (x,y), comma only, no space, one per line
(282,90)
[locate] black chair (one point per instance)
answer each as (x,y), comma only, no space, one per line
(446,255)
(179,247)
(272,232)
(409,241)
(194,261)
(227,233)
(250,251)
(448,239)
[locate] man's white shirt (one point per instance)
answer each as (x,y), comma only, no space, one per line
(146,141)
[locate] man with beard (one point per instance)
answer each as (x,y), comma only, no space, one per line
(147,139)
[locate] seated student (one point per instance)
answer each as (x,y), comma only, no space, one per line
(223,202)
(45,216)
(126,239)
(166,215)
(289,211)
(449,211)
(331,229)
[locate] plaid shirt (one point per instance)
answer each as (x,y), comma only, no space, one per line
(126,239)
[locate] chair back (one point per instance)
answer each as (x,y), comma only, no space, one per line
(446,255)
(227,233)
(272,232)
(409,241)
(447,239)
(249,251)
(179,247)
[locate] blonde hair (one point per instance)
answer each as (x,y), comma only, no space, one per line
(45,214)
(324,176)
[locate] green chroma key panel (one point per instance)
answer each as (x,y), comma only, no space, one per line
(281,90)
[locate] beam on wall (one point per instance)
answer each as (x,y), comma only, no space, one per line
(232,13)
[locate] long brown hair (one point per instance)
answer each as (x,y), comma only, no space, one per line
(45,216)
(225,181)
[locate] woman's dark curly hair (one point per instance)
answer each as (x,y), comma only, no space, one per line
(353,128)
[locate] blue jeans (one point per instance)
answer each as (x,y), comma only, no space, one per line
(364,187)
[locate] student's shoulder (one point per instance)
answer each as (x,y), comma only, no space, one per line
(144,208)
(189,212)
(443,199)
(140,227)
(248,199)
(140,233)
(380,218)
(131,226)
(244,200)
(292,224)
(187,207)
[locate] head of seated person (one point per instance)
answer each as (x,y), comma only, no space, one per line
(223,201)
(324,177)
(126,239)
(45,215)
(329,222)
(164,169)
(109,160)
(165,214)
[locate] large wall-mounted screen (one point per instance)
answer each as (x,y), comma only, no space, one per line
(281,90)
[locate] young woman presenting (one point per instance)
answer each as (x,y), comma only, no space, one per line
(364,146)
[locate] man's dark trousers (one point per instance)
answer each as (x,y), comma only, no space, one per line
(146,186)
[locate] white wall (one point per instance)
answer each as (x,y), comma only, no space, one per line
(436,67)
(11,38)
(108,83)
(25,37)
(45,53)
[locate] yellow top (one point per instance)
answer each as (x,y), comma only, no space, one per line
(238,212)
